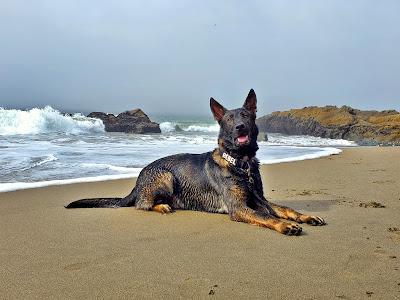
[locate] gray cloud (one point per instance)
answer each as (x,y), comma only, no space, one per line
(171,56)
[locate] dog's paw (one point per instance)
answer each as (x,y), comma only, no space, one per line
(291,229)
(162,208)
(315,221)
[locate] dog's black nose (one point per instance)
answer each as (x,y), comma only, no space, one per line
(240,126)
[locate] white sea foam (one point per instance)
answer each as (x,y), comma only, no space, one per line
(167,127)
(45,120)
(47,159)
(305,140)
(41,161)
(111,167)
(203,128)
(328,151)
(14,186)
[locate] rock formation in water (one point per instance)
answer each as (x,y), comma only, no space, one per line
(363,127)
(132,121)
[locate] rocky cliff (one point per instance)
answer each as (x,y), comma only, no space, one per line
(363,127)
(132,121)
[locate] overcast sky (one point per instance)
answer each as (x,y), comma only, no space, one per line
(170,57)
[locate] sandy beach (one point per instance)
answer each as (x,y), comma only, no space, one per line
(49,252)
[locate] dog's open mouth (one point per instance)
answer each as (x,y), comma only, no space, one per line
(242,140)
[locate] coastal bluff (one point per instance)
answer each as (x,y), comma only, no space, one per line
(363,127)
(131,121)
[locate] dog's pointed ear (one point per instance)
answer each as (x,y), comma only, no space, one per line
(217,109)
(251,102)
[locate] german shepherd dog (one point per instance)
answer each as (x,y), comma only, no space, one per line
(226,180)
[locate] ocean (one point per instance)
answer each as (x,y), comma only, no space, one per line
(42,147)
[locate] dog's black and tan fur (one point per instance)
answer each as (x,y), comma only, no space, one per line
(226,180)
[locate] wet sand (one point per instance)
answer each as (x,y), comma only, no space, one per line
(47,251)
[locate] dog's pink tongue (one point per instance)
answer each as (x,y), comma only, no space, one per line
(242,139)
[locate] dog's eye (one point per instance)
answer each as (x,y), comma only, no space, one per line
(243,114)
(229,118)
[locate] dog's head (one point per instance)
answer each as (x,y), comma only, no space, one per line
(238,129)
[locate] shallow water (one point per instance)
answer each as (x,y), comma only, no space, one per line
(57,147)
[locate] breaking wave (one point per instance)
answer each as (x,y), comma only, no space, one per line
(46,120)
(167,127)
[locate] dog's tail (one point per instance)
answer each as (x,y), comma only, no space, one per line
(104,202)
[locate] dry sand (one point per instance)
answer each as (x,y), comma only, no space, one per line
(49,252)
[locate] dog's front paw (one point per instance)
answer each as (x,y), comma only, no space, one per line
(315,221)
(290,229)
(162,208)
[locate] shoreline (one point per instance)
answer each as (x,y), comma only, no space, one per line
(16,186)
(51,252)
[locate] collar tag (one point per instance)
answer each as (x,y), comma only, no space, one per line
(229,158)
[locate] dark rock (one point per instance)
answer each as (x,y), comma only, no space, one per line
(132,121)
(363,127)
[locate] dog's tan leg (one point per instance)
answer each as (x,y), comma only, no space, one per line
(290,214)
(159,184)
(250,216)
